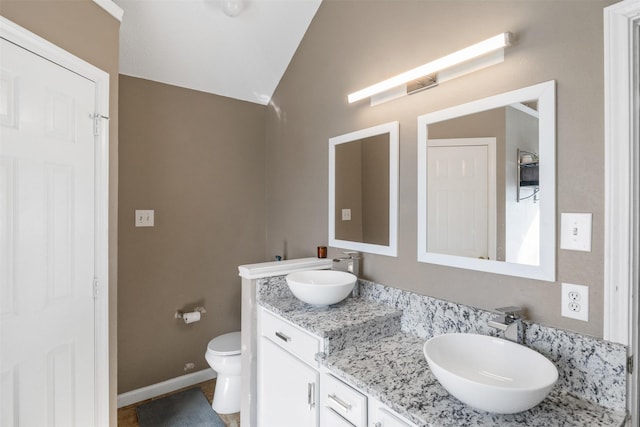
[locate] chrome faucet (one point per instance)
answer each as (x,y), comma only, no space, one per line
(510,322)
(350,263)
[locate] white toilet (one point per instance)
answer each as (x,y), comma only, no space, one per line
(223,355)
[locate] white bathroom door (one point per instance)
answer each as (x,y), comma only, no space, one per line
(461,197)
(47,197)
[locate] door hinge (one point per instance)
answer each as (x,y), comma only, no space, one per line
(630,365)
(97,123)
(96,289)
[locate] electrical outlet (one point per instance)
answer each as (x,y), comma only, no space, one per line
(346,214)
(144,218)
(574,306)
(574,296)
(189,366)
(575,301)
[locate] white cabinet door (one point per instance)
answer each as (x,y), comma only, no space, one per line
(287,389)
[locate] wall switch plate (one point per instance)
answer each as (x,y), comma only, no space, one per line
(575,301)
(144,218)
(346,214)
(575,231)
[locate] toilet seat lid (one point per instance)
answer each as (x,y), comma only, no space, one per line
(225,345)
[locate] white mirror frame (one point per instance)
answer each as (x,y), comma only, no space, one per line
(393,129)
(545,94)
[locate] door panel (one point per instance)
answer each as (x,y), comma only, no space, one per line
(47,242)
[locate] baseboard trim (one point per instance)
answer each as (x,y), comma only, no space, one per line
(154,390)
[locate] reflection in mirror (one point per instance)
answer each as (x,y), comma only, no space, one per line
(363,193)
(487,184)
(362,190)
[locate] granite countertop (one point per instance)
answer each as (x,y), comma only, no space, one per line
(394,371)
(350,322)
(366,348)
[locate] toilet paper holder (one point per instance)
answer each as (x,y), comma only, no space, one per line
(179,314)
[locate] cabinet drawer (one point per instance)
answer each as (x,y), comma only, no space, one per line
(381,416)
(330,418)
(290,337)
(386,419)
(344,400)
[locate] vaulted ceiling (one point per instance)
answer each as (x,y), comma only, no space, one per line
(194,44)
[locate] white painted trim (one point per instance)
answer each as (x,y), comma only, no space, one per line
(393,129)
(112,8)
(618,126)
(164,387)
(26,39)
(280,268)
(102,252)
(545,94)
(622,130)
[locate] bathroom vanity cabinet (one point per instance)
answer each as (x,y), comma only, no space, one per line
(295,390)
(288,375)
(373,372)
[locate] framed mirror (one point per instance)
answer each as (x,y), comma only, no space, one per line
(486,184)
(363,190)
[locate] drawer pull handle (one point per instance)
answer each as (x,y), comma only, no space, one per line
(311,395)
(346,407)
(283,337)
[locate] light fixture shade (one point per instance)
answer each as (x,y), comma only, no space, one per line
(482,48)
(232,8)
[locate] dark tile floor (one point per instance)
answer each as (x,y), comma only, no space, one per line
(127,416)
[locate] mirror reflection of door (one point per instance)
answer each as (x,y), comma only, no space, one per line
(461,191)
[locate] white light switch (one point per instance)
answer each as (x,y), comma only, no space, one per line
(346,214)
(144,218)
(575,233)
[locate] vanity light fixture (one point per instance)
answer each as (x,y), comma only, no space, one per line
(426,76)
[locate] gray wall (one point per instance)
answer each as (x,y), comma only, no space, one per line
(86,30)
(198,160)
(352,44)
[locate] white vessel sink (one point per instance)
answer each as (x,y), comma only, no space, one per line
(321,287)
(490,374)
